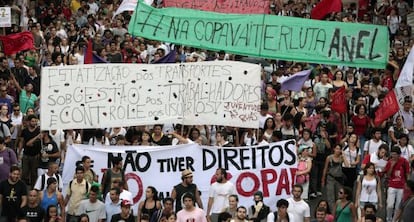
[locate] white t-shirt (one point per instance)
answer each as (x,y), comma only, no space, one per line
(16,120)
(371,146)
(262,120)
(221,192)
(95,211)
(379,163)
(299,209)
(38,184)
(58,137)
(321,90)
(407,152)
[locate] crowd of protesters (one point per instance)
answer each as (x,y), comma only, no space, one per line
(336,152)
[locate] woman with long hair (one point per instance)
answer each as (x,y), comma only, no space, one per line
(271,100)
(344,209)
(146,139)
(332,175)
(52,214)
(304,169)
(4,115)
(361,123)
(352,153)
(269,127)
(338,81)
(323,203)
(310,101)
(368,189)
(150,205)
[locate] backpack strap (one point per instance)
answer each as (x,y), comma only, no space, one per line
(42,187)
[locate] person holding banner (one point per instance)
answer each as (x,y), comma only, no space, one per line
(158,136)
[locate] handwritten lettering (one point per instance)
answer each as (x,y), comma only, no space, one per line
(92,96)
(276,37)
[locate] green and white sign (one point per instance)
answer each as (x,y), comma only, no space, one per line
(268,36)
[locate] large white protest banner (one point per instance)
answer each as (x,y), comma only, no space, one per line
(270,168)
(110,95)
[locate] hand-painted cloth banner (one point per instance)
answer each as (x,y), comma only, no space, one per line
(268,36)
(224,6)
(269,168)
(15,43)
(110,95)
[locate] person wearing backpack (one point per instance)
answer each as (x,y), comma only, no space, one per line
(90,175)
(52,171)
(281,214)
(77,190)
(114,173)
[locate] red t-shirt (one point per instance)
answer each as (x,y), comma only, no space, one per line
(360,124)
(398,175)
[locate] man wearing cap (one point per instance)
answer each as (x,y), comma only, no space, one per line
(190,213)
(186,186)
(259,211)
(125,214)
(397,170)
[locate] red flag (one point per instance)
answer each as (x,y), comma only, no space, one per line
(88,54)
(388,107)
(325,7)
(339,101)
(15,43)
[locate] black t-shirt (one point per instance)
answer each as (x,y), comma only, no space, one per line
(5,74)
(164,141)
(180,190)
(28,135)
(117,217)
(49,148)
(35,214)
(12,199)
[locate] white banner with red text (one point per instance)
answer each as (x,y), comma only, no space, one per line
(269,168)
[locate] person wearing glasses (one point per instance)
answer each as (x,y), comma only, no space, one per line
(344,209)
